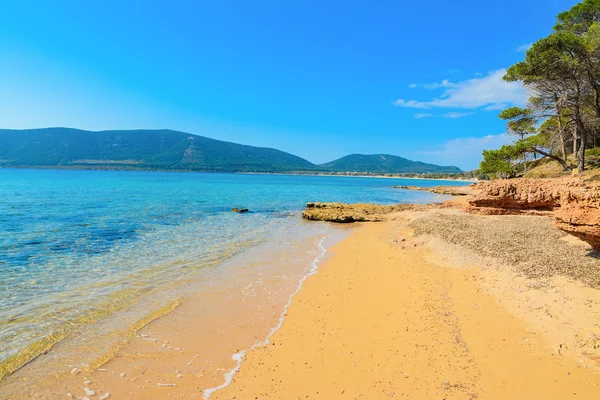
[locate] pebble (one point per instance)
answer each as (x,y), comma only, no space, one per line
(167,384)
(104,396)
(87,381)
(75,371)
(89,392)
(179,376)
(122,374)
(86,398)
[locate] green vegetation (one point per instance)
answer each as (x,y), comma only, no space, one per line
(168,150)
(385,163)
(562,117)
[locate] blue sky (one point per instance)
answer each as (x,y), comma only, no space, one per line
(320,79)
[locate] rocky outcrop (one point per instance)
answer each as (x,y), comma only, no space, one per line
(346,213)
(446,190)
(574,204)
(524,194)
(579,213)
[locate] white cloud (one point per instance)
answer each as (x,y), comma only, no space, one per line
(524,48)
(423,115)
(454,115)
(443,84)
(462,152)
(489,92)
(413,85)
(451,115)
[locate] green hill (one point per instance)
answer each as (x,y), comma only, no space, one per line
(139,149)
(177,151)
(384,163)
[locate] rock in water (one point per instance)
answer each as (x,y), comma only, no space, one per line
(347,213)
(239,210)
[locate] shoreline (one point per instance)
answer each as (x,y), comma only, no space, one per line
(245,323)
(65,168)
(412,265)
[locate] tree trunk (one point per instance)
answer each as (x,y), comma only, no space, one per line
(562,162)
(561,134)
(581,153)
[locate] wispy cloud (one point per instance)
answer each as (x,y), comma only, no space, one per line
(524,48)
(462,152)
(454,115)
(423,115)
(451,115)
(489,92)
(413,85)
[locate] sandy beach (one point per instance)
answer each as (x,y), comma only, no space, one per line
(422,305)
(382,319)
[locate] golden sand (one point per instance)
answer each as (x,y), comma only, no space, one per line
(380,322)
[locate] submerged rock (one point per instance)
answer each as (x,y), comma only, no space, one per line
(446,190)
(347,213)
(239,210)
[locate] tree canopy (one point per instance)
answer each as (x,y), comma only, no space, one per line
(562,75)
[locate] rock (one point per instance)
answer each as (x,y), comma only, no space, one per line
(518,194)
(347,213)
(167,384)
(574,203)
(104,396)
(445,190)
(89,392)
(239,210)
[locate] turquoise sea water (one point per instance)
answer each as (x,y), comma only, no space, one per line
(78,245)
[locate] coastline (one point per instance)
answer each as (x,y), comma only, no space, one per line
(390,313)
(391,293)
(237,307)
(121,168)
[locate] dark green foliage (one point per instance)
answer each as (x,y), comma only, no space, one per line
(384,163)
(501,163)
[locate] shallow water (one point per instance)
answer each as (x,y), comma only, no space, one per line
(77,247)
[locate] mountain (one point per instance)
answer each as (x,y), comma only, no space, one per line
(177,151)
(139,149)
(384,163)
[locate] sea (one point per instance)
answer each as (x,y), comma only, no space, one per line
(82,247)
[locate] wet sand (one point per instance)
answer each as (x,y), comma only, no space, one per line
(381,320)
